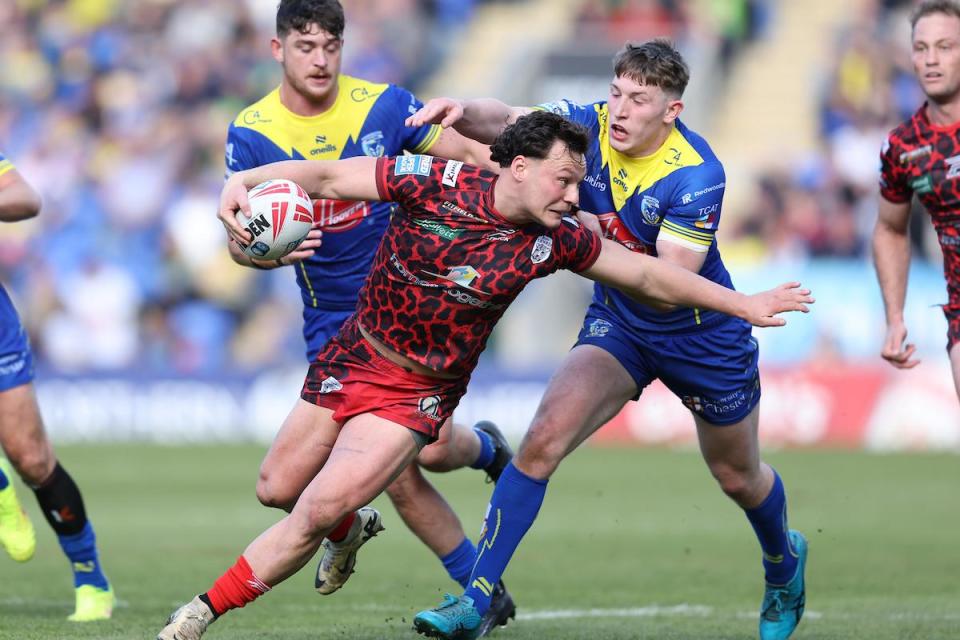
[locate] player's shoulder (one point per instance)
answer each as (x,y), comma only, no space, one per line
(261,114)
(907,132)
(698,143)
(359,90)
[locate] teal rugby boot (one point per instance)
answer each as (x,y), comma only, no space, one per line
(455,619)
(783,606)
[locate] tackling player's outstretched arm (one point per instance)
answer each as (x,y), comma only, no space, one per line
(482,119)
(18,200)
(647,278)
(349,179)
(891,259)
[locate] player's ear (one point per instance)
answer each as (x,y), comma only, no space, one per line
(519,168)
(276,48)
(674,107)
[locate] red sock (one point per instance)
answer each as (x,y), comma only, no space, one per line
(235,588)
(341,530)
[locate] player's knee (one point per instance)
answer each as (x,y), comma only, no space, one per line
(34,464)
(270,495)
(319,516)
(539,455)
(733,481)
(434,458)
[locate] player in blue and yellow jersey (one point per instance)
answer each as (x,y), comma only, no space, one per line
(25,443)
(657,188)
(319,113)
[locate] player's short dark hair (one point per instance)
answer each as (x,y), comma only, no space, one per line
(300,14)
(928,7)
(534,134)
(655,62)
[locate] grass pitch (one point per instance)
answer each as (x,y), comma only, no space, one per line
(629,544)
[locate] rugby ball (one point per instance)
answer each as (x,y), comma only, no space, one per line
(281,216)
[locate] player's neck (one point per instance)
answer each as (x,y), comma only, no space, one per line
(506,202)
(297,103)
(944,114)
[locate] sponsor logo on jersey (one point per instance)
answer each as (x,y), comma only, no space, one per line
(650,208)
(500,235)
(330,384)
(429,407)
(686,199)
(914,154)
(954,163)
(719,406)
(707,216)
(362,94)
(620,180)
(451,171)
(466,298)
(460,211)
(372,144)
(596,182)
(461,276)
(614,229)
(697,194)
(254,117)
(413,166)
(334,216)
(923,184)
(12,364)
(442,230)
(542,248)
(408,276)
(598,328)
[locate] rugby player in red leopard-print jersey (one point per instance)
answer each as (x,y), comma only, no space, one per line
(463,245)
(922,157)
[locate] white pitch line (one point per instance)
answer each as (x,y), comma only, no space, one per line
(632,612)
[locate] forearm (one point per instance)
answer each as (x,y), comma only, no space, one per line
(891,259)
(672,286)
(484,119)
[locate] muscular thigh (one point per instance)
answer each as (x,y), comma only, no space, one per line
(589,388)
(300,448)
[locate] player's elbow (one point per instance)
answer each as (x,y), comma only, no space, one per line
(24,203)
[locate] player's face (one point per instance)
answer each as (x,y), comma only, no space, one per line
(552,188)
(311,62)
(936,56)
(639,115)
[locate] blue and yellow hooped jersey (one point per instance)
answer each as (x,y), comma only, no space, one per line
(367,119)
(677,192)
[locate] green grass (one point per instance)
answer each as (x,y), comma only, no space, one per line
(622,530)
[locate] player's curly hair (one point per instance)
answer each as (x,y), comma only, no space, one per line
(533,136)
(655,62)
(300,14)
(928,7)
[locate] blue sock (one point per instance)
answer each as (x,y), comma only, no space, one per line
(459,562)
(487,451)
(769,522)
(513,507)
(4,480)
(81,549)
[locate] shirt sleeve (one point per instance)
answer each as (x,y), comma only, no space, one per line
(404,179)
(238,154)
(693,214)
(585,115)
(414,139)
(894,185)
(579,247)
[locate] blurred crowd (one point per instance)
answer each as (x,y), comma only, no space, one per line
(825,205)
(116,111)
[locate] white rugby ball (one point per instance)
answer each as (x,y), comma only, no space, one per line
(281,216)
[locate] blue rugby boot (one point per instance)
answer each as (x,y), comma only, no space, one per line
(783,606)
(455,619)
